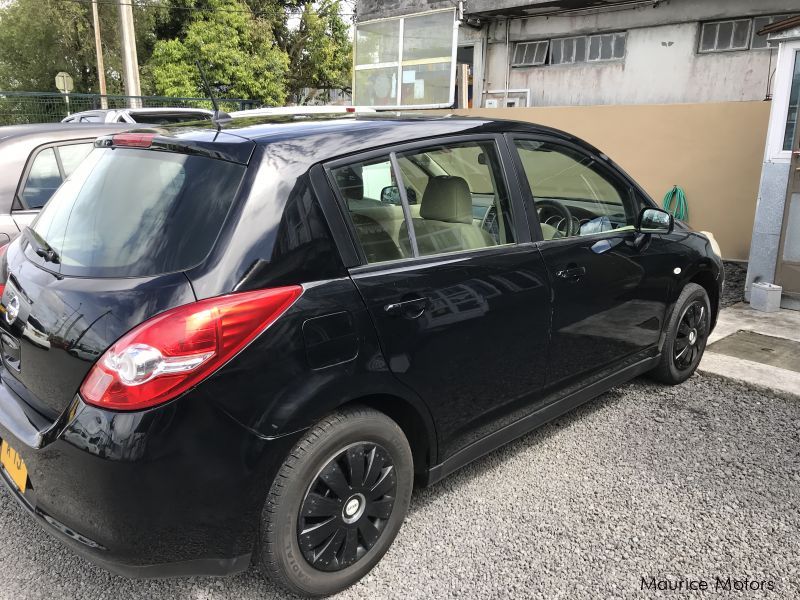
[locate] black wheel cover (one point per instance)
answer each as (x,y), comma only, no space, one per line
(346,507)
(691,334)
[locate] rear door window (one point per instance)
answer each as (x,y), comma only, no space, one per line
(131,213)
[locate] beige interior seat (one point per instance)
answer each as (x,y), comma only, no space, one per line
(445,222)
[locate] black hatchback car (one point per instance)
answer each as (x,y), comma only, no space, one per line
(248,343)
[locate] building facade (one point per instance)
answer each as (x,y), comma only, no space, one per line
(594,52)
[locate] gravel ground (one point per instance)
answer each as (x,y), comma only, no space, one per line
(735,274)
(697,481)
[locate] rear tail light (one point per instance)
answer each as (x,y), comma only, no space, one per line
(175,350)
(3,250)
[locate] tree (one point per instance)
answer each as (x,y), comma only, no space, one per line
(39,38)
(235,47)
(319,49)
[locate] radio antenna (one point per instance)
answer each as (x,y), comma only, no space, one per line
(219,117)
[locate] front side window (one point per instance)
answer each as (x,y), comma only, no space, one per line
(454,194)
(573,194)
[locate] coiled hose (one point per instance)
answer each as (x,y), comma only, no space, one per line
(677,197)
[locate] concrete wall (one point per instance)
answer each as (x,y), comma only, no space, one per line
(662,64)
(714,151)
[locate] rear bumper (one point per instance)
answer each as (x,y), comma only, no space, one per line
(172,491)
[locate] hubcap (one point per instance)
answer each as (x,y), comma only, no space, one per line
(692,329)
(346,507)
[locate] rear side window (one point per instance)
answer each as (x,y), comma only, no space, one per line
(44,178)
(132,213)
(454,200)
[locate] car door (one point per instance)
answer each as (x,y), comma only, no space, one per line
(458,292)
(610,288)
(46,169)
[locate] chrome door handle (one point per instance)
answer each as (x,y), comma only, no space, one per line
(572,273)
(411,308)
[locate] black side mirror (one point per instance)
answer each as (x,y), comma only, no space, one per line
(655,220)
(391,195)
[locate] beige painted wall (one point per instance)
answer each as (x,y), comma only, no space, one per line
(713,150)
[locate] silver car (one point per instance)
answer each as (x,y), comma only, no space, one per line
(34,160)
(154,116)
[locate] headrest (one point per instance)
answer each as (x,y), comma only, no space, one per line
(349,181)
(447,198)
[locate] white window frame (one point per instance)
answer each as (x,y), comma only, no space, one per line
(754,31)
(561,41)
(613,35)
(518,45)
(399,64)
(780,104)
(733,22)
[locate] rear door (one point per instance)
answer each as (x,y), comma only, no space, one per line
(458,292)
(610,294)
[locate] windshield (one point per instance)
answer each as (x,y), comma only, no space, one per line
(133,213)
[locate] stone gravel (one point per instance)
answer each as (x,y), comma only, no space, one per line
(696,481)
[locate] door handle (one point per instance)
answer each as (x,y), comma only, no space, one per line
(572,273)
(409,308)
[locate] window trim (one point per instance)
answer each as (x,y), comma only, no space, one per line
(522,232)
(17,204)
(750,36)
(636,194)
(526,43)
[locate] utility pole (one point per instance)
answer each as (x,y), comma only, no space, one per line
(101,70)
(130,63)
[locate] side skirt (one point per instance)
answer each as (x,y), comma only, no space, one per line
(534,420)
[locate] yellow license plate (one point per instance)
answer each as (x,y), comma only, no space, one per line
(14,466)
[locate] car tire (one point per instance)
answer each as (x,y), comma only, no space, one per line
(687,334)
(308,530)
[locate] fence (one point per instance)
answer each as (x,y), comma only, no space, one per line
(17,108)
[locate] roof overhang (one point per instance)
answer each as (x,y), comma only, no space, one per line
(532,8)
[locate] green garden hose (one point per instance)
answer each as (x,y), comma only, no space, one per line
(681,209)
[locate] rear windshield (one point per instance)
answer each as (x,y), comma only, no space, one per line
(133,213)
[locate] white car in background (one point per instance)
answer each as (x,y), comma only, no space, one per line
(151,116)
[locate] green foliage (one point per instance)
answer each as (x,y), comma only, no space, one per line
(237,51)
(254,49)
(39,38)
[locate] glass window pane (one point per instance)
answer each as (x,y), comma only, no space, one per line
(72,155)
(794,102)
(43,179)
(760,41)
(376,87)
(378,42)
(580,49)
(530,54)
(741,34)
(620,41)
(426,84)
(566,181)
(555,52)
(369,190)
(606,47)
(464,204)
(428,36)
(725,35)
(709,37)
(519,54)
(594,47)
(568,50)
(541,53)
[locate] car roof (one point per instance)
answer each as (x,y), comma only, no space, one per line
(44,133)
(328,136)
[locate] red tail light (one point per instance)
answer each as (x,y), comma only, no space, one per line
(3,250)
(175,350)
(133,140)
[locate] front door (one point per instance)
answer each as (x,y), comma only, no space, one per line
(610,294)
(457,291)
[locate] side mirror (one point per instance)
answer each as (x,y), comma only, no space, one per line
(391,195)
(655,220)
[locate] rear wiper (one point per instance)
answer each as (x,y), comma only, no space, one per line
(41,247)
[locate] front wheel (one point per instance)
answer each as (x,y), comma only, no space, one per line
(687,334)
(337,503)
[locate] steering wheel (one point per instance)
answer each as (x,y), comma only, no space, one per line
(566,227)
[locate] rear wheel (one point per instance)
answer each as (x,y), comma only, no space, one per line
(337,503)
(687,335)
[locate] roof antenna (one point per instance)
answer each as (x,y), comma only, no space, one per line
(219,118)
